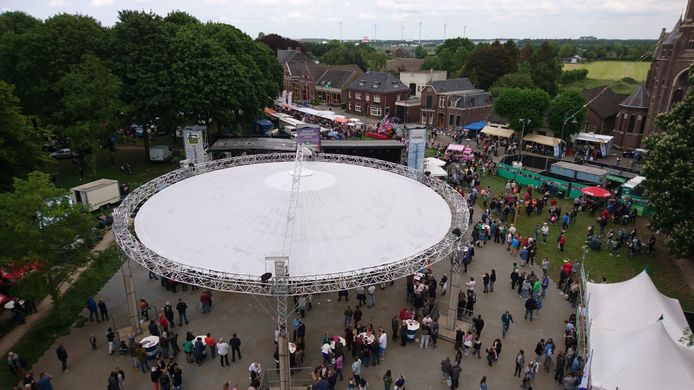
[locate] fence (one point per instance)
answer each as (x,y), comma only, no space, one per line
(525,177)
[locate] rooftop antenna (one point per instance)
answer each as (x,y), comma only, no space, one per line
(374,32)
(420,33)
(402,33)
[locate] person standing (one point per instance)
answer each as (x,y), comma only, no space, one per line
(235,344)
(444,284)
(211,344)
(394,326)
(403,334)
(492,280)
(348,316)
(400,383)
(339,364)
(92,307)
(356,370)
(434,332)
(223,351)
(539,350)
(169,313)
(382,343)
(181,308)
(371,297)
(44,382)
(62,356)
(103,310)
(478,324)
(530,306)
(154,376)
(111,338)
(387,380)
(520,363)
(164,345)
(199,351)
(506,320)
(141,355)
(120,376)
(177,378)
(188,350)
(483,383)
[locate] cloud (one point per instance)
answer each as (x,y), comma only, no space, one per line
(365,16)
(56,3)
(296,15)
(101,3)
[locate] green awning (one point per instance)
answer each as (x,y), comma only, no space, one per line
(616,179)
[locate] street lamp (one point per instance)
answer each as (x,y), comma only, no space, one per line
(520,144)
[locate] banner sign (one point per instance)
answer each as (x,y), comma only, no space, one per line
(309,136)
(417,144)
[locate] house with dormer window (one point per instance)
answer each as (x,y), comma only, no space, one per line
(375,94)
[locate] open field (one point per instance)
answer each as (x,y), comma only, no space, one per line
(613,70)
(603,73)
(661,266)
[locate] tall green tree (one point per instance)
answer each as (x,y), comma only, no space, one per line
(669,171)
(142,59)
(518,79)
(526,104)
(39,225)
(420,52)
(20,149)
(221,76)
(490,64)
(566,113)
(344,54)
(546,68)
(91,106)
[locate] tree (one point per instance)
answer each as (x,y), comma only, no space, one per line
(345,54)
(142,60)
(566,113)
(669,171)
(38,224)
(20,151)
(518,79)
(221,76)
(546,68)
(420,52)
(517,103)
(91,106)
(490,63)
(278,42)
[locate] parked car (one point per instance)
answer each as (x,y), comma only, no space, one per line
(63,154)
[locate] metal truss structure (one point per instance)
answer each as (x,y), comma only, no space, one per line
(133,249)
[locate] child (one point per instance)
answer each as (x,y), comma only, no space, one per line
(351,385)
(92,341)
(477,347)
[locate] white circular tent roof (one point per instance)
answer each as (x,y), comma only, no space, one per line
(348,217)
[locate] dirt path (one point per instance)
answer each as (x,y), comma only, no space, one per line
(46,305)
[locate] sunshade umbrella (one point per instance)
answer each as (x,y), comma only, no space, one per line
(596,192)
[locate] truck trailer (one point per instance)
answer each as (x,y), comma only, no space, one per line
(97,194)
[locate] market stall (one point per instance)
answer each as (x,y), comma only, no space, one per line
(593,145)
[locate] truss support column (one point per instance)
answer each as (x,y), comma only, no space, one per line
(130,297)
(454,290)
(281,291)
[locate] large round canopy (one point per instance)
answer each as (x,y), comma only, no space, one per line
(348,217)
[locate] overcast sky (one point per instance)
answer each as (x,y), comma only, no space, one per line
(624,19)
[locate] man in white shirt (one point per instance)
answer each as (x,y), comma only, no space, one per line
(382,343)
(325,349)
(223,351)
(254,368)
(371,297)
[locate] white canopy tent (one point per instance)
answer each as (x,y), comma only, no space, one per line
(435,171)
(641,359)
(634,333)
(433,161)
(603,141)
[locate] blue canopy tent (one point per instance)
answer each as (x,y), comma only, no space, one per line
(475,126)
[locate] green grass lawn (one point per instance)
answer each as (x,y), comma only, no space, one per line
(613,70)
(66,312)
(603,73)
(67,175)
(599,264)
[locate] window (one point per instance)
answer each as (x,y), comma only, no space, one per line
(690,44)
(450,120)
(357,108)
(357,95)
(442,101)
(350,94)
(375,111)
(457,120)
(349,106)
(429,101)
(630,125)
(424,119)
(387,111)
(431,119)
(377,98)
(367,97)
(397,98)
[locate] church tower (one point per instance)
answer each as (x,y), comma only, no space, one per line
(666,83)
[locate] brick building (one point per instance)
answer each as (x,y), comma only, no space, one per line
(308,80)
(602,110)
(454,103)
(666,83)
(375,94)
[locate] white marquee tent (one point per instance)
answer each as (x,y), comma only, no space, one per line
(634,334)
